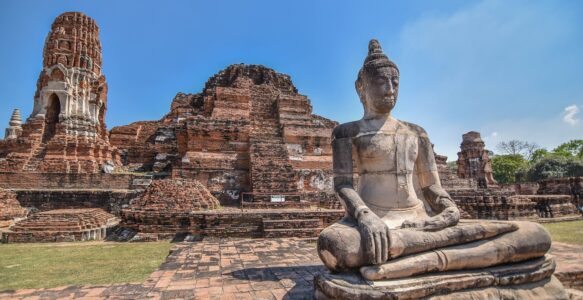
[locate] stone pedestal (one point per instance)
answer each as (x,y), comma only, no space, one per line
(531,279)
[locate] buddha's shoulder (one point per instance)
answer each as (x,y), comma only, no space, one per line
(346,130)
(353,129)
(414,129)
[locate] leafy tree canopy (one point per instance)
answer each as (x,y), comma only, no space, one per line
(539,154)
(554,166)
(505,167)
(570,149)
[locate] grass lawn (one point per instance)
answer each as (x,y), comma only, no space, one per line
(50,265)
(566,232)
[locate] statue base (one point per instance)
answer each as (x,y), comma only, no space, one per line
(531,279)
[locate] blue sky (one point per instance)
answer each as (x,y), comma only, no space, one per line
(509,69)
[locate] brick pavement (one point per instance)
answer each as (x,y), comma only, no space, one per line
(213,269)
(234,269)
(569,264)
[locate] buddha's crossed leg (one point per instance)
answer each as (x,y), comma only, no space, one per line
(468,245)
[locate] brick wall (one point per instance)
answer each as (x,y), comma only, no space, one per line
(248,223)
(65,181)
(43,200)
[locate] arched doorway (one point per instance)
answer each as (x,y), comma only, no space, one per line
(51,117)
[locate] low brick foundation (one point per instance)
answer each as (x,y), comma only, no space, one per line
(61,225)
(493,204)
(499,204)
(554,206)
(234,223)
(44,200)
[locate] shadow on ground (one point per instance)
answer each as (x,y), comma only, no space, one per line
(298,279)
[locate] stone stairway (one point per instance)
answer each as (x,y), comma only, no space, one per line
(36,158)
(271,171)
(285,228)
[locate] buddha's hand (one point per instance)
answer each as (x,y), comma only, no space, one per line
(448,217)
(375,237)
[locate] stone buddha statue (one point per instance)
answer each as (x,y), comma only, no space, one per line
(399,221)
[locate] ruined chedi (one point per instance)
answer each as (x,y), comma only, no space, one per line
(401,233)
(66,131)
(14,126)
(473,160)
(248,131)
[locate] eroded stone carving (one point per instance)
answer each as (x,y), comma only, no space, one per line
(400,222)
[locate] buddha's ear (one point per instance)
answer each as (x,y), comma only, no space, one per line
(358,85)
(359,88)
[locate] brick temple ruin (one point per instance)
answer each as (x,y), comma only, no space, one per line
(249,141)
(479,196)
(66,131)
(249,132)
(245,157)
(65,135)
(473,160)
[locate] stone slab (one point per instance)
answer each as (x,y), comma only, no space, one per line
(531,279)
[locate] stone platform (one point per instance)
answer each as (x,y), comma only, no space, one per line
(526,280)
(231,222)
(238,269)
(61,225)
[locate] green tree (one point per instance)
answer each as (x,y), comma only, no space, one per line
(505,167)
(539,154)
(570,149)
(555,166)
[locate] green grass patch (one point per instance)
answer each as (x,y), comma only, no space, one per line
(566,232)
(51,265)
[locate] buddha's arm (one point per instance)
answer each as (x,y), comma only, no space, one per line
(343,177)
(447,212)
(374,232)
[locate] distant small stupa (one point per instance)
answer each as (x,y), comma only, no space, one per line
(14,126)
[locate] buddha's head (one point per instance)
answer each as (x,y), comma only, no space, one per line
(377,84)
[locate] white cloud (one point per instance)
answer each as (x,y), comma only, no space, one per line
(570,115)
(473,70)
(543,132)
(491,137)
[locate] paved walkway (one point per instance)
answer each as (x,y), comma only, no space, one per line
(569,257)
(213,269)
(234,269)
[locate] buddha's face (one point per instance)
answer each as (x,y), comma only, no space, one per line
(379,88)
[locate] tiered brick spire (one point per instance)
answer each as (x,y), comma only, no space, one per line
(66,130)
